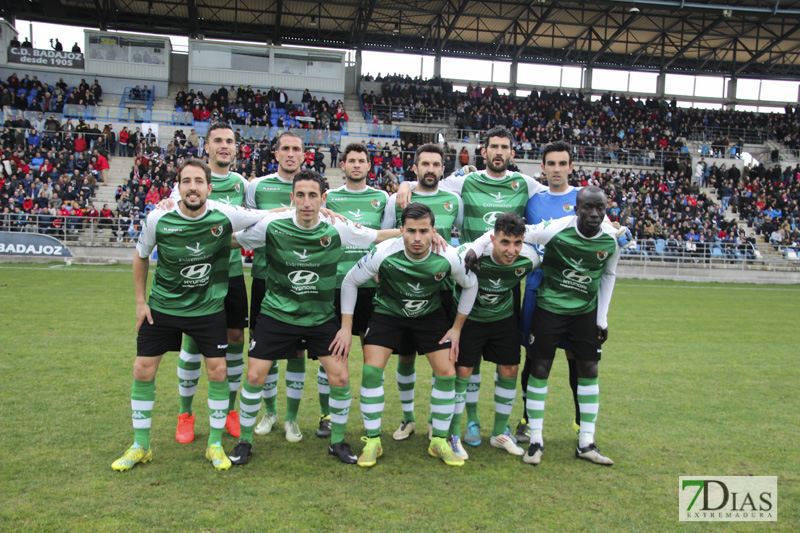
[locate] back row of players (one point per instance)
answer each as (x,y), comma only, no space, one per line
(314,287)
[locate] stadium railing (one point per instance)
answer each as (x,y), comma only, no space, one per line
(594,154)
(406,113)
(72,229)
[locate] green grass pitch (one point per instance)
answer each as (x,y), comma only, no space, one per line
(696,379)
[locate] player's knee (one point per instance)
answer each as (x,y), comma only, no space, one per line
(587,369)
(235,335)
(540,368)
(407,358)
(216,368)
(338,377)
(464,372)
(507,371)
(144,368)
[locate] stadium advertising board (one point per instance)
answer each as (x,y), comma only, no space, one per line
(32,244)
(45,58)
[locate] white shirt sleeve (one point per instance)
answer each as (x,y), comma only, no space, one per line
(534,186)
(606,289)
(147,238)
(355,235)
(242,218)
(452,183)
(390,213)
(250,194)
(467,281)
(460,217)
(175,195)
(482,243)
(542,232)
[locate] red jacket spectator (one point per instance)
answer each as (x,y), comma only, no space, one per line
(152,196)
(27,204)
(106,213)
(102,162)
(13,81)
(92,214)
(123,136)
(80,145)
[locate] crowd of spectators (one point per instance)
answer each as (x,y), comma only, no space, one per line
(32,94)
(616,123)
(48,178)
(268,108)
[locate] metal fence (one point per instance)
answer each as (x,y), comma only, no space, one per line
(74,229)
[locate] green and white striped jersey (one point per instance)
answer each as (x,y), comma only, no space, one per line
(365,207)
(485,198)
(301,274)
(579,272)
(226,189)
(191,276)
(447,207)
(408,287)
(266,192)
(495,300)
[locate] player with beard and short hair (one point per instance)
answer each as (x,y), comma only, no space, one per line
(228,188)
(486,194)
(268,192)
(302,254)
(187,296)
(363,205)
(448,209)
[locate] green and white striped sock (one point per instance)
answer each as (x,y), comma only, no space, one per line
(324,390)
(217,409)
(458,408)
(537,393)
(589,404)
(406,379)
(143,396)
(473,393)
(189,361)
(443,398)
(249,404)
(234,359)
(295,382)
(270,392)
(372,399)
(505,392)
(340,408)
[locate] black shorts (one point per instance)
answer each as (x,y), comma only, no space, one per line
(420,334)
(257,291)
(407,346)
(363,310)
(497,341)
(272,339)
(236,303)
(164,335)
(580,331)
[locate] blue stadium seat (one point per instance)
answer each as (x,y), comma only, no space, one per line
(660,244)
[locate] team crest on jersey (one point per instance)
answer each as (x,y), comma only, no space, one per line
(217,230)
(602,255)
(569,208)
(376,204)
(515,185)
(519,272)
(439,276)
(237,187)
(547,223)
(325,241)
(448,206)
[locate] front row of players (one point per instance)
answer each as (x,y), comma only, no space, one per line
(303,250)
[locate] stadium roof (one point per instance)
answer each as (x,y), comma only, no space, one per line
(743,38)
